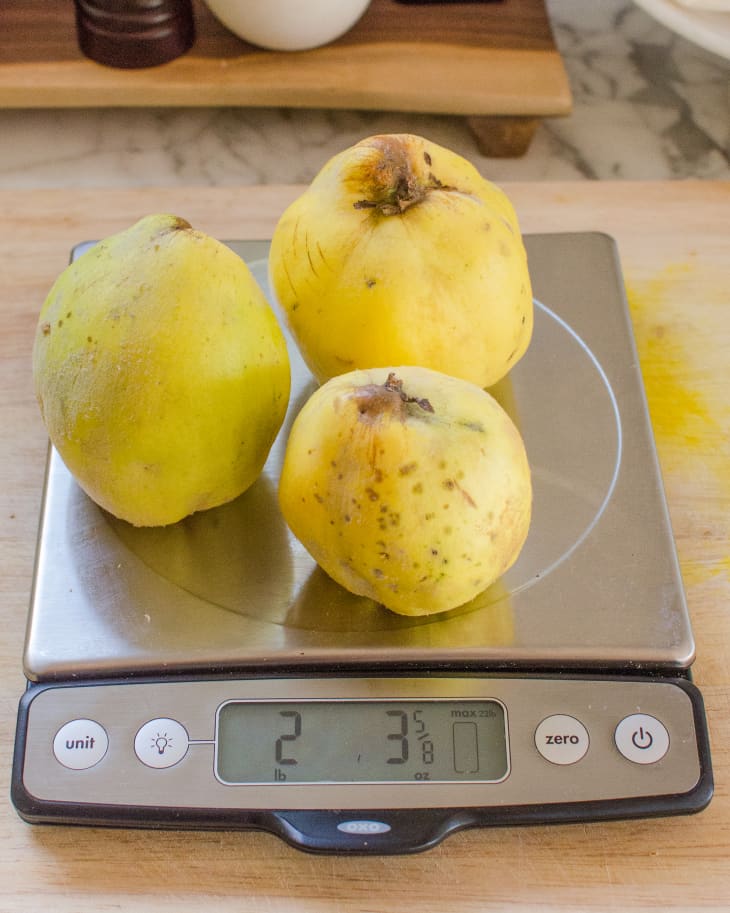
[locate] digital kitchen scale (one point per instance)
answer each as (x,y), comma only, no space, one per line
(209,675)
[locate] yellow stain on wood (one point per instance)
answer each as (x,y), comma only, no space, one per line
(677,411)
(690,425)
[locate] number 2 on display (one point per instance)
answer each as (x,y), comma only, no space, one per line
(289,736)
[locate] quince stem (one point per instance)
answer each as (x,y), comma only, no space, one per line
(394,178)
(375,400)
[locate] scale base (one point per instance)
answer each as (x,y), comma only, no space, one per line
(553,774)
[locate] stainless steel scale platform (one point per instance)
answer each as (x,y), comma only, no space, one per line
(560,693)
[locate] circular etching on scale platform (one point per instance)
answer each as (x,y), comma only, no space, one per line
(241,558)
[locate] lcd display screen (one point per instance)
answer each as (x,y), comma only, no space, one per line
(361,741)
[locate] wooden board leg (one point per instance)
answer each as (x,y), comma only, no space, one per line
(503,136)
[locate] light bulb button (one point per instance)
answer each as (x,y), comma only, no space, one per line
(161,743)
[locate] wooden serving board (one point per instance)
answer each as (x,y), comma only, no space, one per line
(494,62)
(673,241)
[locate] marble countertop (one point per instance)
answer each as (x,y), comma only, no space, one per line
(648,105)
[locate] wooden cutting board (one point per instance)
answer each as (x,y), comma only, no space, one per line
(495,63)
(674,243)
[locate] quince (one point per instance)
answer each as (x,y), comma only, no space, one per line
(161,372)
(407,486)
(400,252)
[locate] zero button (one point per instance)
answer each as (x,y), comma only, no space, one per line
(561,739)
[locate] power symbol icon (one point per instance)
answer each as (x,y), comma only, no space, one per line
(642,738)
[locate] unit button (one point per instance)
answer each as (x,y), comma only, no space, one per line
(561,739)
(80,744)
(161,743)
(642,738)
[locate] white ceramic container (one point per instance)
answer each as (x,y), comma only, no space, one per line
(288,25)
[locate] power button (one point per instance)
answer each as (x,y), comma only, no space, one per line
(642,738)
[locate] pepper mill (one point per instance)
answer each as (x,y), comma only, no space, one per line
(132,34)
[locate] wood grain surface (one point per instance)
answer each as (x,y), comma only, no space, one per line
(464,58)
(674,243)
